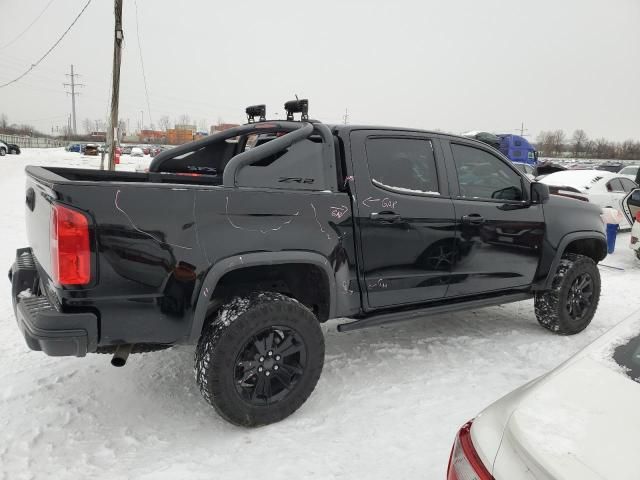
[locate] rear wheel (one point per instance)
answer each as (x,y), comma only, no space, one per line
(260,358)
(569,306)
(3,151)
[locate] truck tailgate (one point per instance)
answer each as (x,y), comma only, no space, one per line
(38,204)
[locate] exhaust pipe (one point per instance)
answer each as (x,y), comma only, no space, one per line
(121,354)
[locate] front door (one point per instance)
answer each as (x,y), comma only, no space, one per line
(404,215)
(499,234)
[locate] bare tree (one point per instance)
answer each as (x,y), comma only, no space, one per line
(4,121)
(558,142)
(164,123)
(544,142)
(579,141)
(184,119)
(87,124)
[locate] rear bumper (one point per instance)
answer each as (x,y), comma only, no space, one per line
(43,326)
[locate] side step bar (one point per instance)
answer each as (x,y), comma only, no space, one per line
(401,316)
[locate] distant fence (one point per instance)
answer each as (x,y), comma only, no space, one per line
(32,142)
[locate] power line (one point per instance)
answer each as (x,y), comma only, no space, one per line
(34,65)
(28,27)
(144,75)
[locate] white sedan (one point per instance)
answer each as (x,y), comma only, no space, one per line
(630,172)
(579,421)
(601,187)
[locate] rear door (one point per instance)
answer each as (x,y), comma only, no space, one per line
(631,205)
(404,217)
(499,234)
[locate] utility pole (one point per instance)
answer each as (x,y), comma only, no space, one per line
(115,89)
(345,117)
(73,94)
(142,120)
(522,130)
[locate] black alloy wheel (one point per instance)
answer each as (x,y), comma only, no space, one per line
(579,297)
(270,365)
(259,358)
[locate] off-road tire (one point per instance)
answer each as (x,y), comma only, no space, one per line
(3,152)
(225,335)
(551,305)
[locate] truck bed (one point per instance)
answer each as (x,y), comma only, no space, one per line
(155,236)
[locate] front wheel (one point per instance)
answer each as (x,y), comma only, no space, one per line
(569,306)
(3,152)
(259,359)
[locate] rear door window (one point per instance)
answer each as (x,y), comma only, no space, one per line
(483,176)
(627,184)
(403,165)
(614,185)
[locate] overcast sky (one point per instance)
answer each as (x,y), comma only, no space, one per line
(454,65)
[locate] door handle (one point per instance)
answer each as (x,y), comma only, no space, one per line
(388,217)
(473,219)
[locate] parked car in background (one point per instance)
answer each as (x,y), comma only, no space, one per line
(146,149)
(137,152)
(13,148)
(578,421)
(75,147)
(603,188)
(91,149)
(613,167)
(634,242)
(4,149)
(630,171)
(126,150)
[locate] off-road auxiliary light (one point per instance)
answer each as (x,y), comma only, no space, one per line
(297,106)
(254,111)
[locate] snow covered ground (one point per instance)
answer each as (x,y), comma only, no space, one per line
(388,404)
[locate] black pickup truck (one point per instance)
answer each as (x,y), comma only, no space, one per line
(243,242)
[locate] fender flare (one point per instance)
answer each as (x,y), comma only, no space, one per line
(222,267)
(566,240)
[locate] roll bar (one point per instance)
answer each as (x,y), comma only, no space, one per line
(297,131)
(256,154)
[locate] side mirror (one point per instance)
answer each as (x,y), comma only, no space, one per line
(539,192)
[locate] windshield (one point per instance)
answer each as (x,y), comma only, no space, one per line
(628,357)
(629,171)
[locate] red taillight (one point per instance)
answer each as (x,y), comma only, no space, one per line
(464,463)
(70,254)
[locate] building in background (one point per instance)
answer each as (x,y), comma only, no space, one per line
(98,136)
(151,136)
(222,127)
(181,134)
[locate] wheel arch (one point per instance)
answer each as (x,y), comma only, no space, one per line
(248,261)
(590,244)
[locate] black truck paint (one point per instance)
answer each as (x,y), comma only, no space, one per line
(168,248)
